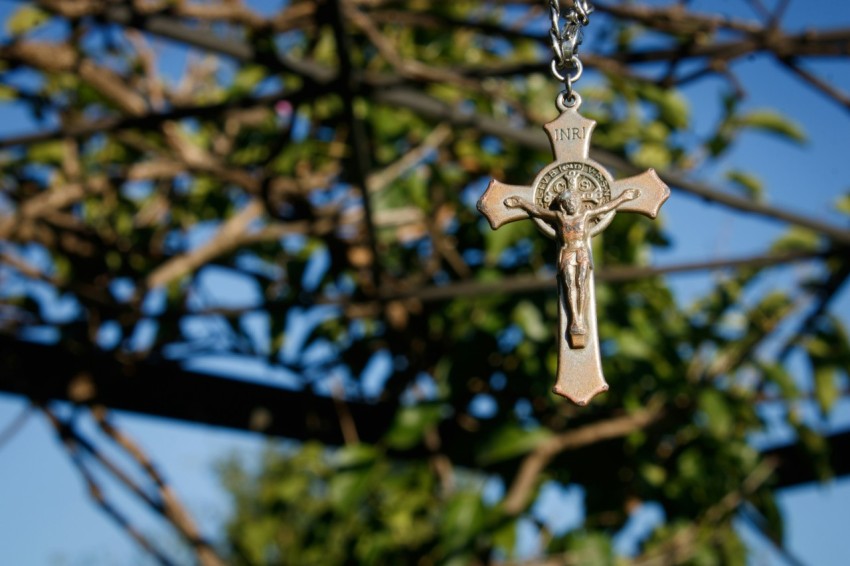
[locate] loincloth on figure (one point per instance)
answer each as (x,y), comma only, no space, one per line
(574,256)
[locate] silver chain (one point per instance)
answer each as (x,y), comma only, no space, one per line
(565,41)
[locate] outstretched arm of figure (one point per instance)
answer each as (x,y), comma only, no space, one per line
(532,209)
(627,195)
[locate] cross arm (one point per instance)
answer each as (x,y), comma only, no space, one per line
(652,193)
(492,203)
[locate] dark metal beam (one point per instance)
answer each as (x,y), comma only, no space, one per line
(795,465)
(47,372)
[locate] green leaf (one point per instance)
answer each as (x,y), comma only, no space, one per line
(673,109)
(50,152)
(497,241)
(729,549)
(348,488)
(829,354)
(691,464)
(842,204)
(247,78)
(797,239)
(463,519)
(747,183)
(633,345)
(510,441)
(656,132)
(716,408)
(505,537)
(827,391)
(355,455)
(672,106)
(771,122)
(529,318)
(780,376)
(653,474)
(590,547)
(7,93)
(718,143)
(652,154)
(411,423)
(293,489)
(25,19)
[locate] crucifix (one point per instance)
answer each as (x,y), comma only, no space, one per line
(571,200)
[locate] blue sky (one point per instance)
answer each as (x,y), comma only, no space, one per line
(47,518)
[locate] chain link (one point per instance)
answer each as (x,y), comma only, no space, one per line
(565,41)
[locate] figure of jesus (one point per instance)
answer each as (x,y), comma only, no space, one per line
(571,226)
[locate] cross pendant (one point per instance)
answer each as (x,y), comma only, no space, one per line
(572,200)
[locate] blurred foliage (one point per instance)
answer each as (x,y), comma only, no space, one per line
(136,237)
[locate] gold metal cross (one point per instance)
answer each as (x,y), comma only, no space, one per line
(572,200)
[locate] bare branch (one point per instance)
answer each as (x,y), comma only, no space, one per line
(226,239)
(8,432)
(831,91)
(534,463)
(71,441)
(172,508)
(378,180)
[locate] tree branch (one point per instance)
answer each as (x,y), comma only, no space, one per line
(226,239)
(170,506)
(72,442)
(534,463)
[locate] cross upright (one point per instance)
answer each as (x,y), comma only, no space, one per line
(573,199)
